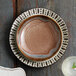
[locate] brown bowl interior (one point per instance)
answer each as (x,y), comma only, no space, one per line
(52,43)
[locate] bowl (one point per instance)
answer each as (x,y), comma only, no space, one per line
(69,66)
(38,37)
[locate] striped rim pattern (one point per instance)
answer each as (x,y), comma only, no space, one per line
(53,16)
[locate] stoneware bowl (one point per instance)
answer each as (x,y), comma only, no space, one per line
(38,37)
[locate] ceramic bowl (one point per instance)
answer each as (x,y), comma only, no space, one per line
(38,37)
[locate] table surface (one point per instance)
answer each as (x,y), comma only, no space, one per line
(10,9)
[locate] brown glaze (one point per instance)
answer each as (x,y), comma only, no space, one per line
(38,37)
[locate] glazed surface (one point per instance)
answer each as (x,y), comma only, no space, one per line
(38,38)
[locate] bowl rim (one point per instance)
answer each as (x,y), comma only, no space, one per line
(44,12)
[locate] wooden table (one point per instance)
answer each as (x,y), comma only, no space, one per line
(10,9)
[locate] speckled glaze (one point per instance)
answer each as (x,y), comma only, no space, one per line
(63,37)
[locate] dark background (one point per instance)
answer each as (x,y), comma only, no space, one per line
(10,9)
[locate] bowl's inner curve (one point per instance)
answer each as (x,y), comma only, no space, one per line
(38,37)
